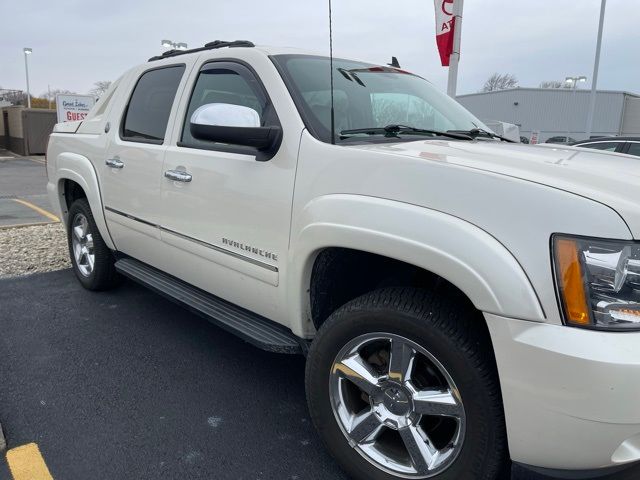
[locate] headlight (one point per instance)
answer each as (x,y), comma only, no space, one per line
(598,282)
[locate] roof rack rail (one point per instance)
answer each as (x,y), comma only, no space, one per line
(208,46)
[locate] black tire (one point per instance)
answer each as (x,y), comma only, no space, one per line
(103,275)
(455,334)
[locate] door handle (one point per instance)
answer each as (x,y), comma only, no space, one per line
(178,176)
(114,163)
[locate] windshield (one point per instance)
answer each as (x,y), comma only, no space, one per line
(367,96)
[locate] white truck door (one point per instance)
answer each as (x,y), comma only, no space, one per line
(228,225)
(131,170)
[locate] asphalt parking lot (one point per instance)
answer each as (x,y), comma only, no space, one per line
(125,384)
(23,191)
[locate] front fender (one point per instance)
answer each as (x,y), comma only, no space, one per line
(465,255)
(71,166)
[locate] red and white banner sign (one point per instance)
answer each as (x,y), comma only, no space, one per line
(445,24)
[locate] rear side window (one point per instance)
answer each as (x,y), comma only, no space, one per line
(608,146)
(150,104)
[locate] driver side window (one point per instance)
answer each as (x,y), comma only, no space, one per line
(222,84)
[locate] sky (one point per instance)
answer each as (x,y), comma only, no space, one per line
(78,42)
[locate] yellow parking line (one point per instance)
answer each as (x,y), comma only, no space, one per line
(26,463)
(41,211)
(37,160)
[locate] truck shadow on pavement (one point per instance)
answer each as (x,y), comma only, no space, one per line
(125,384)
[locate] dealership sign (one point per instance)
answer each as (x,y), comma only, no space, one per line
(73,107)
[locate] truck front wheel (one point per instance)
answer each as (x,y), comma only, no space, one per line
(401,383)
(92,261)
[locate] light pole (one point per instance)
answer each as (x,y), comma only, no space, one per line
(27,52)
(596,66)
(573,81)
(174,45)
(454,59)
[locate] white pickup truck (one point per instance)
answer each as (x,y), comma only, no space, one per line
(464,302)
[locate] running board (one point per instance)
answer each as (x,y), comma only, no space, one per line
(249,326)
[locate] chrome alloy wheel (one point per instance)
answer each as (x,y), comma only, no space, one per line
(397,405)
(82,243)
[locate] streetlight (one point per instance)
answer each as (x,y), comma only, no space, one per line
(596,66)
(174,45)
(573,81)
(27,51)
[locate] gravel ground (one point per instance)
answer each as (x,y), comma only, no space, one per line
(40,248)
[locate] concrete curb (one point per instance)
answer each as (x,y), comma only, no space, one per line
(3,442)
(23,225)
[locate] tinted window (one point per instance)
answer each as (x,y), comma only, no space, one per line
(367,96)
(634,149)
(150,105)
(219,84)
(560,140)
(608,146)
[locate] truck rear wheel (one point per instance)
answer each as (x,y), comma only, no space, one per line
(400,384)
(93,262)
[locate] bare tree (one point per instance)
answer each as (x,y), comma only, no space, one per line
(100,87)
(500,81)
(554,84)
(50,95)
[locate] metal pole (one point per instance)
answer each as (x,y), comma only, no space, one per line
(49,95)
(26,69)
(454,59)
(596,65)
(573,102)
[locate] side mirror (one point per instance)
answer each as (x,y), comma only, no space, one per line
(233,124)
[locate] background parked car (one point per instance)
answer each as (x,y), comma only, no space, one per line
(628,145)
(561,139)
(524,140)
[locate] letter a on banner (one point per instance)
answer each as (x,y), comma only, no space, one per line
(445,26)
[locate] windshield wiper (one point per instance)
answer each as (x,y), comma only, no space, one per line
(395,130)
(480,132)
